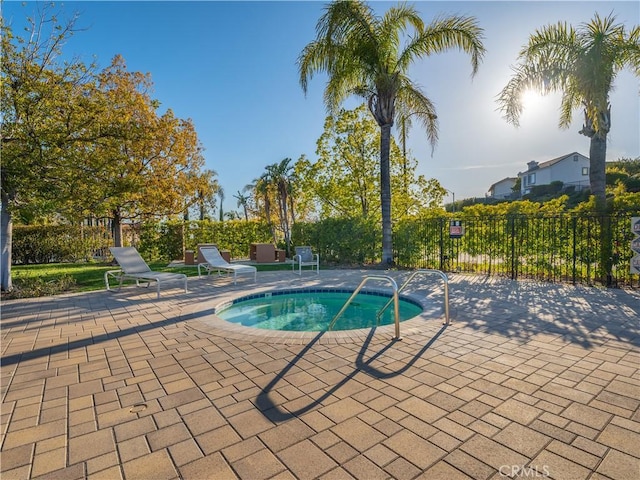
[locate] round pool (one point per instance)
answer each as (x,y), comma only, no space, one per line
(311,310)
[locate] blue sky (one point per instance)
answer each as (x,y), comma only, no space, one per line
(231,67)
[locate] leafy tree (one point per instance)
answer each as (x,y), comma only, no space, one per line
(47,111)
(364,55)
(205,187)
(582,64)
(344,181)
(145,168)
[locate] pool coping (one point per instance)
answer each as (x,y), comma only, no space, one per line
(212,324)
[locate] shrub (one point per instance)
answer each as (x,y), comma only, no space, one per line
(57,243)
(29,287)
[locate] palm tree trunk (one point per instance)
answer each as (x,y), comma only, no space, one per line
(385,194)
(285,223)
(597,180)
(597,169)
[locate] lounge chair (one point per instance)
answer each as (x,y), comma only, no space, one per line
(305,258)
(133,267)
(214,261)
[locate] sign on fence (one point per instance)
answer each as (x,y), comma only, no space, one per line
(635,245)
(456,230)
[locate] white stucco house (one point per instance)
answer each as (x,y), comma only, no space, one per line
(571,170)
(503,188)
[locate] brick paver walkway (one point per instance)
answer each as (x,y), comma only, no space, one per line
(529,381)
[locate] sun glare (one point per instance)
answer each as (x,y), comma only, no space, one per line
(531,100)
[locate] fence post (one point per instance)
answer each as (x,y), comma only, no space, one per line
(574,221)
(514,274)
(442,220)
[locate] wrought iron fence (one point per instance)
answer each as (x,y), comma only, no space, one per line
(561,248)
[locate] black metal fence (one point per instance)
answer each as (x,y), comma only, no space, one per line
(565,248)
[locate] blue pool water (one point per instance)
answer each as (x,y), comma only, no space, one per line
(312,310)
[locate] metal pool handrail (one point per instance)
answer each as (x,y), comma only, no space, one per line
(394,299)
(425,271)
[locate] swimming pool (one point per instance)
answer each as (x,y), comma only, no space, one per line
(311,310)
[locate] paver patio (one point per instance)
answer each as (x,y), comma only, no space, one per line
(530,380)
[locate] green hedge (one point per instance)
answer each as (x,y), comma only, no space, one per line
(344,241)
(521,239)
(58,243)
(165,240)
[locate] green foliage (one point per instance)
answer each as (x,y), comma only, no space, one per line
(28,287)
(345,180)
(77,142)
(520,239)
(539,192)
(631,166)
(526,239)
(625,172)
(418,239)
(365,55)
(164,240)
(341,240)
(57,243)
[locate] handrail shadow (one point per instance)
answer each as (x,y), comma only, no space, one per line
(275,414)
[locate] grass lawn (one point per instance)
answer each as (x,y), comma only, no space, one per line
(55,278)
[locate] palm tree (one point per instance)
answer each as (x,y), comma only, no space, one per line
(582,64)
(282,178)
(369,56)
(243,201)
(262,190)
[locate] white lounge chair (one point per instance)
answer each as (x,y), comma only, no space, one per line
(214,261)
(305,258)
(133,267)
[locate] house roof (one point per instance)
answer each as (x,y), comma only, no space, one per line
(549,163)
(512,179)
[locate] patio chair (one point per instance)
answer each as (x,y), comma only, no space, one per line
(214,261)
(305,258)
(133,267)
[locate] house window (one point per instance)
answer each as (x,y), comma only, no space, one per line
(575,158)
(585,170)
(532,179)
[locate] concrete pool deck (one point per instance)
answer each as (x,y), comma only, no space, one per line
(530,380)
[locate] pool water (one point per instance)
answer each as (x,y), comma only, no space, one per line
(312,310)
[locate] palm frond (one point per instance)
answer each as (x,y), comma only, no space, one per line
(445,33)
(412,102)
(396,23)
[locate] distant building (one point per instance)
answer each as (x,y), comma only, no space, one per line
(571,170)
(503,189)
